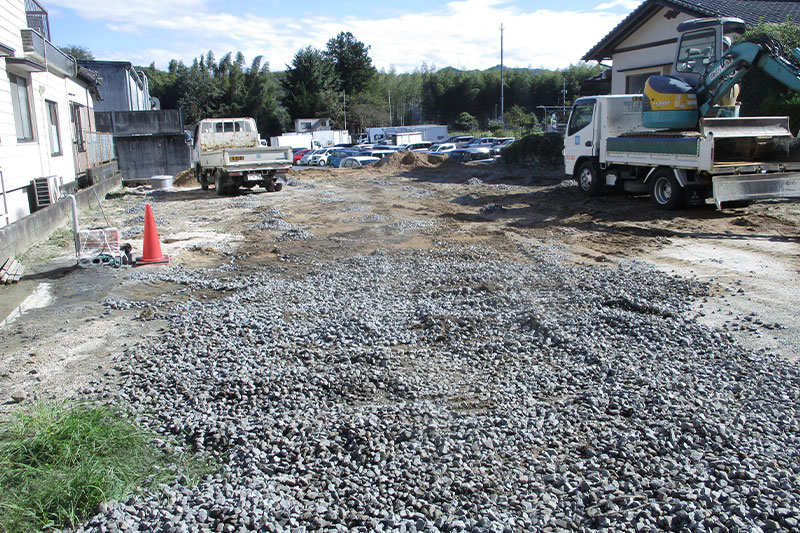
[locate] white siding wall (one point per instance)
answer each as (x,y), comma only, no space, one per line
(13,155)
(651,59)
(21,162)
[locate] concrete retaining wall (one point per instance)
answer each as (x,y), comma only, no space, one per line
(143,157)
(19,236)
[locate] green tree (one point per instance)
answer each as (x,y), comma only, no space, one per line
(310,85)
(520,121)
(466,122)
(351,61)
(80,53)
(364,111)
(760,93)
(227,88)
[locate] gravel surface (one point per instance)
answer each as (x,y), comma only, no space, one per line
(453,389)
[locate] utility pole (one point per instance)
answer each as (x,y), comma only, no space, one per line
(501,75)
(390,107)
(344,108)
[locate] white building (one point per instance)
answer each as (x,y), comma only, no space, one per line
(46,111)
(307,125)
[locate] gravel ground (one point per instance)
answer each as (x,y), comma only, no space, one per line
(451,389)
(439,350)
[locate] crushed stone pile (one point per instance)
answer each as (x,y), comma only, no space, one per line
(380,394)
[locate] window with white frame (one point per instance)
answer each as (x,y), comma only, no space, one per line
(21,107)
(52,128)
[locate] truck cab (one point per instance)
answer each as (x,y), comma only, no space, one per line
(229,153)
(217,133)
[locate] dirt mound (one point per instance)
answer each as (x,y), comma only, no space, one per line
(410,160)
(185,178)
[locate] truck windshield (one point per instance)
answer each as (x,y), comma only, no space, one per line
(580,118)
(697,50)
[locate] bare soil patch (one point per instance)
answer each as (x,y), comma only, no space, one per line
(406,201)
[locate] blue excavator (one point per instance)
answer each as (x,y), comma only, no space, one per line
(706,73)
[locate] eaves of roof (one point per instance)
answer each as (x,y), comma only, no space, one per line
(751,11)
(631,23)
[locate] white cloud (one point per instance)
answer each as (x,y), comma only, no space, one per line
(463,33)
(626,4)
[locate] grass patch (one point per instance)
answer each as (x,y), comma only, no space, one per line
(57,244)
(59,462)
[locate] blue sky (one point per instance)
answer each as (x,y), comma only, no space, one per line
(402,34)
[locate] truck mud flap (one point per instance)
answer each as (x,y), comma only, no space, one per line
(755,187)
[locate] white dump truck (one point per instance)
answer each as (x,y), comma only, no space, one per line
(682,141)
(228,153)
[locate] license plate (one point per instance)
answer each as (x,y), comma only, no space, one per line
(236,158)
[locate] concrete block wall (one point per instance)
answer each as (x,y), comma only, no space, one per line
(19,236)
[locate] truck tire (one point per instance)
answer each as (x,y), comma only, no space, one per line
(221,183)
(588,178)
(665,191)
(201,177)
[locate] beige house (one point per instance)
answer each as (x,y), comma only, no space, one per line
(46,112)
(644,43)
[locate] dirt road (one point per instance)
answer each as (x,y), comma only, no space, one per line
(748,256)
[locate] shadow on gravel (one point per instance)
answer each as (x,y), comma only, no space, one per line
(183,195)
(55,273)
(552,204)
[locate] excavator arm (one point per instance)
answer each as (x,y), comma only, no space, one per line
(722,75)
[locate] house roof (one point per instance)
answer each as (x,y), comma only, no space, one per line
(751,11)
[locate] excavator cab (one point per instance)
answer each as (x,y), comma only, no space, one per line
(671,101)
(703,42)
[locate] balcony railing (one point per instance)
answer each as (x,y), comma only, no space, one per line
(37,18)
(39,49)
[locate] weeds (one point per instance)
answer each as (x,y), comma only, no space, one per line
(58,463)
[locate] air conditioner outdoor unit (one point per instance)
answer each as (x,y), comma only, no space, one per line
(45,191)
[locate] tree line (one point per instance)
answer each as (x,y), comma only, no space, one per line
(341,82)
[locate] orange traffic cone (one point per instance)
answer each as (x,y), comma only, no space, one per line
(152,248)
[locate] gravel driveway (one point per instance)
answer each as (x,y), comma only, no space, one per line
(421,352)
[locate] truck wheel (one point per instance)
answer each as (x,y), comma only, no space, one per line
(201,177)
(221,183)
(665,191)
(588,179)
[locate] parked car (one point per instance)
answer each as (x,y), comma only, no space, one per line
(481,141)
(358,161)
(442,148)
(417,147)
(336,156)
(458,140)
(379,153)
(307,157)
(476,153)
(298,154)
(321,157)
(379,146)
(503,142)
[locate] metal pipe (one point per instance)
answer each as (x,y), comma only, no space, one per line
(74,204)
(5,200)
